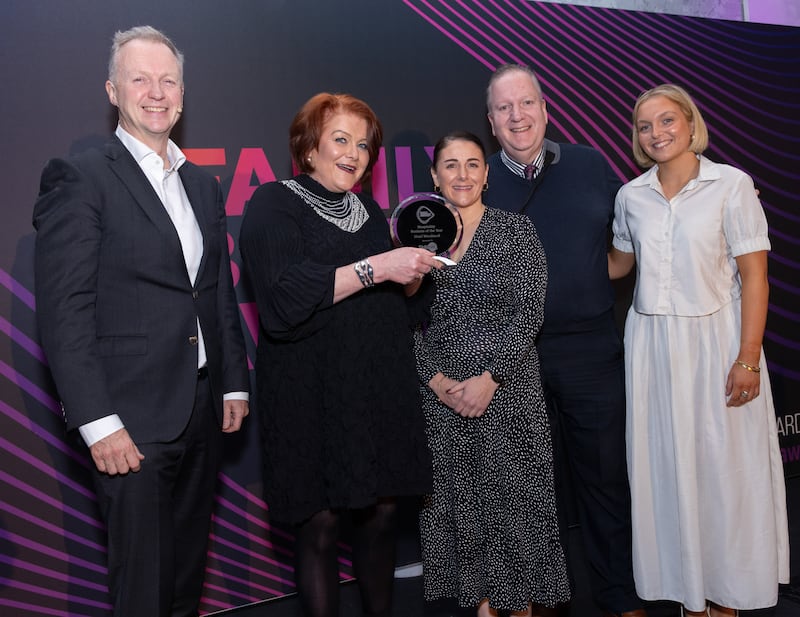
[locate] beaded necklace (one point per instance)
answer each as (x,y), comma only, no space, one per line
(347,213)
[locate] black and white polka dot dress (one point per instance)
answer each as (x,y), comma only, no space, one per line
(489,529)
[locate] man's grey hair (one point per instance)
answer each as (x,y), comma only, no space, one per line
(140,33)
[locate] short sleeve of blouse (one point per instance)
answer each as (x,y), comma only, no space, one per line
(619,227)
(745,224)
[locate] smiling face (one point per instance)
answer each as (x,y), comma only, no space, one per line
(518,115)
(461,172)
(148,91)
(663,131)
(341,157)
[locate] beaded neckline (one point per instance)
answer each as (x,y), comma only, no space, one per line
(347,213)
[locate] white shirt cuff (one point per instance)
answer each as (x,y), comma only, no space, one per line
(102,427)
(236,396)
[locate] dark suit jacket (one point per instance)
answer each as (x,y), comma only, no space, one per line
(116,309)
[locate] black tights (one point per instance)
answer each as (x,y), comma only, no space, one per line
(317,571)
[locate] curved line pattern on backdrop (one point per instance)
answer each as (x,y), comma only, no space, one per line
(591,82)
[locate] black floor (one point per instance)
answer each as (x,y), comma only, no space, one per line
(408,600)
(408,603)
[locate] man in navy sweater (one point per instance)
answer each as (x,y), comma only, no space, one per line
(568,192)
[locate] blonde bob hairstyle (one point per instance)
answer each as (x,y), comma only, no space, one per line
(681,98)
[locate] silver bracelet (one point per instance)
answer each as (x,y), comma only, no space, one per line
(365,273)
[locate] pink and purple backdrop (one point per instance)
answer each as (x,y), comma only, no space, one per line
(423,66)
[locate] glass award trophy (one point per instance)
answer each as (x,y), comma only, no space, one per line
(426,220)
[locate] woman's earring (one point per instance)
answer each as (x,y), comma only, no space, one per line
(436,188)
(485,186)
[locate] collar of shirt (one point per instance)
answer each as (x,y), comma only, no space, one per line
(519,168)
(707,172)
(141,153)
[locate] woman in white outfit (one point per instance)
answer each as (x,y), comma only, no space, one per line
(707,487)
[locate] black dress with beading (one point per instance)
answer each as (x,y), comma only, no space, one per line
(337,390)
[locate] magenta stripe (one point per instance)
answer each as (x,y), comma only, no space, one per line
(791,315)
(601,106)
(783,285)
(487,64)
(495,58)
(238,488)
(579,111)
(667,57)
(255,520)
(714,59)
(259,573)
(31,388)
(41,433)
(49,500)
(18,289)
(783,371)
(741,142)
(771,44)
(252,538)
(587,137)
(617,39)
(781,340)
(565,86)
(243,581)
(55,529)
(228,592)
(243,598)
(50,573)
(52,593)
(773,232)
(772,209)
(50,552)
(255,555)
(700,72)
(24,341)
(38,463)
(573,35)
(215,604)
(41,610)
(791,263)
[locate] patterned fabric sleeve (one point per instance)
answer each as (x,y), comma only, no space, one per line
(527,271)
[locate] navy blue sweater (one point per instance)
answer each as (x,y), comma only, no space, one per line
(571,207)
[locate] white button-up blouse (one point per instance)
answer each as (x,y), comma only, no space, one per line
(685,248)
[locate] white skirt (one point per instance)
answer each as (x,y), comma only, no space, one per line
(707,485)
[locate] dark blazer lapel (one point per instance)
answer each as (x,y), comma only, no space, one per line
(124,166)
(198,196)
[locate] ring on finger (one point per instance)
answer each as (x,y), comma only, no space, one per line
(744,394)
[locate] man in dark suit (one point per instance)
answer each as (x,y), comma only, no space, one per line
(140,325)
(568,191)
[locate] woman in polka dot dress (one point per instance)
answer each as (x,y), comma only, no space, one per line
(489,530)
